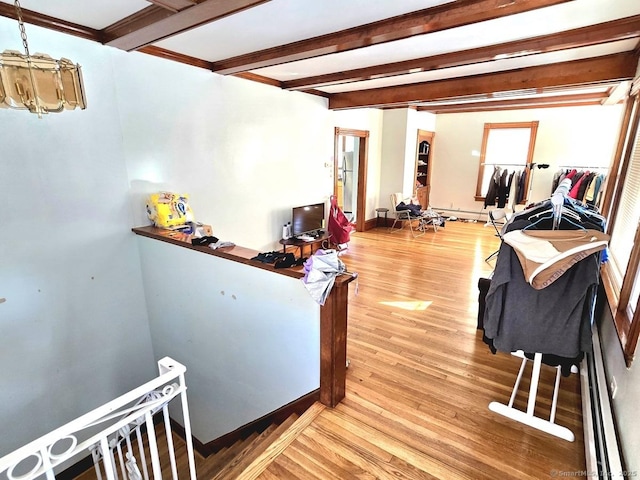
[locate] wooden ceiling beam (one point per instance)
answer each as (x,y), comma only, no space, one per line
(434,19)
(260,79)
(173,5)
(52,23)
(615,30)
(175,56)
(594,98)
(156,23)
(608,68)
(490,108)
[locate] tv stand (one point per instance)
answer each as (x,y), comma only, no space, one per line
(313,244)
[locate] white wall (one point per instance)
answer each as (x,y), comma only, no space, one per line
(250,338)
(566,136)
(394,145)
(73,329)
(399,143)
(245,152)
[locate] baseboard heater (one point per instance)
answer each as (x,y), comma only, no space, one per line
(458,211)
(601,445)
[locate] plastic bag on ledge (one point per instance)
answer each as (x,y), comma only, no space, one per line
(321,270)
(167,209)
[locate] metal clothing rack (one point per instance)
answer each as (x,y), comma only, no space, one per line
(525,166)
(505,165)
(529,418)
(583,167)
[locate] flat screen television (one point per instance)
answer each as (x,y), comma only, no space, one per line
(307,218)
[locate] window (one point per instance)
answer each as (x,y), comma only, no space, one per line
(506,145)
(621,275)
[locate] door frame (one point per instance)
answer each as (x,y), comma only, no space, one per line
(429,136)
(361,185)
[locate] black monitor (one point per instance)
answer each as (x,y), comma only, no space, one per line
(307,218)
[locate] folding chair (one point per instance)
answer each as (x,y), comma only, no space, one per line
(494,216)
(405,216)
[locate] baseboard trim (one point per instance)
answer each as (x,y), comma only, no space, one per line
(372,223)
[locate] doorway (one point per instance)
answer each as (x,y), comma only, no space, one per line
(350,173)
(424,167)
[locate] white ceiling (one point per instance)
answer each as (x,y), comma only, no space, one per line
(282,23)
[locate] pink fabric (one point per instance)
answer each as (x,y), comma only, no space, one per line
(571,174)
(576,188)
(338,225)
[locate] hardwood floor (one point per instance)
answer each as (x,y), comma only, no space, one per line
(420,378)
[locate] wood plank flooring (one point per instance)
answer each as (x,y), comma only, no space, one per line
(420,378)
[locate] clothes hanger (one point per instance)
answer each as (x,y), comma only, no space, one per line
(556,221)
(538,208)
(583,209)
(572,213)
(577,225)
(563,211)
(585,214)
(549,216)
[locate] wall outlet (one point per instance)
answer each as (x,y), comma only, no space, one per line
(614,387)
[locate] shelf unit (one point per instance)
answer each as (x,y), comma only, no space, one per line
(423,166)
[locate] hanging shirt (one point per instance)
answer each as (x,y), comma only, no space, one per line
(513,188)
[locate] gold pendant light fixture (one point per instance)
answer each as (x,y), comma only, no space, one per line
(38,83)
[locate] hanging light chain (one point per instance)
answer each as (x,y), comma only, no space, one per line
(23,32)
(28,76)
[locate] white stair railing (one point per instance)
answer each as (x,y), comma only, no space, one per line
(110,429)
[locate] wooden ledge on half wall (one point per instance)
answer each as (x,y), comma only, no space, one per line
(333,314)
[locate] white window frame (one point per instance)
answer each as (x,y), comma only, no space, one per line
(621,275)
(493,154)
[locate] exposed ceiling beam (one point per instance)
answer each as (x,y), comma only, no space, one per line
(157,23)
(176,57)
(197,62)
(608,68)
(580,37)
(527,106)
(275,83)
(260,79)
(593,98)
(441,17)
(35,18)
(174,5)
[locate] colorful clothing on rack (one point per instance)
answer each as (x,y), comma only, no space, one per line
(586,186)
